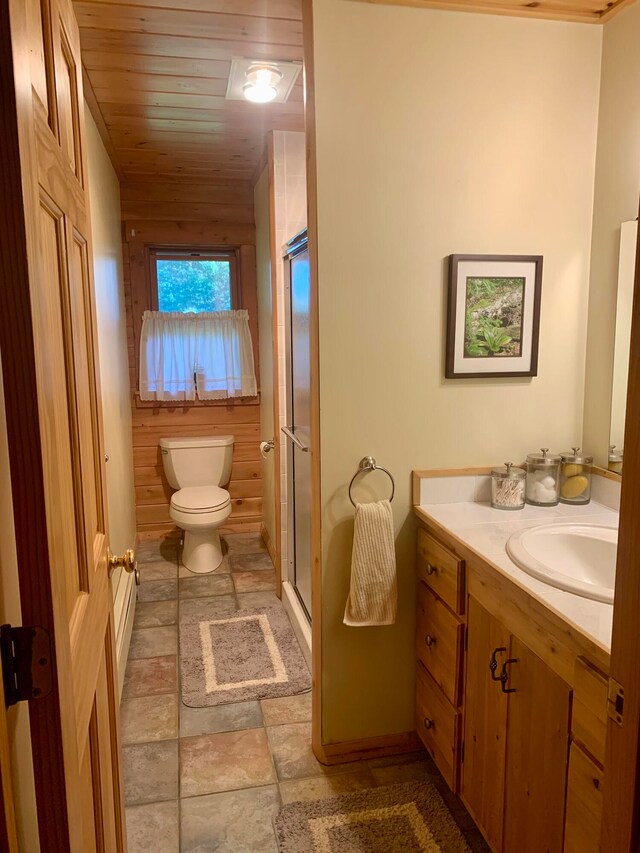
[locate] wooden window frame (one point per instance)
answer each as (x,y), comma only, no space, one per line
(185,253)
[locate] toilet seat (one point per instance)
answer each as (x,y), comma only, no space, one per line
(196,500)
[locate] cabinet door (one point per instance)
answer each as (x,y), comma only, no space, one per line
(485,724)
(537,753)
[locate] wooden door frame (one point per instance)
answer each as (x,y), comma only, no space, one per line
(621,796)
(314,359)
(18,176)
(276,547)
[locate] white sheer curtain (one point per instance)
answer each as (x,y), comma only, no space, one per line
(225,356)
(209,353)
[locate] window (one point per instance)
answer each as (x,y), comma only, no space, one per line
(191,281)
(197,342)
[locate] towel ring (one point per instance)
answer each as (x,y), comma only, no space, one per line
(368,463)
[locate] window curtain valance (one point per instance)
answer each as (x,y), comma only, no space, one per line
(208,354)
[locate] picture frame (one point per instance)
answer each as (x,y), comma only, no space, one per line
(493,316)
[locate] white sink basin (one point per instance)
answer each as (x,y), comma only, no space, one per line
(578,558)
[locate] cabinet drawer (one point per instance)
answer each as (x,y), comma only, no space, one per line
(441,570)
(438,725)
(439,638)
(589,717)
(584,804)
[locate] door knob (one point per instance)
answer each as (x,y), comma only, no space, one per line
(127,562)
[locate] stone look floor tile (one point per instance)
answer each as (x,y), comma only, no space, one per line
(197,609)
(250,600)
(230,822)
(148,718)
(151,550)
(250,562)
(154,642)
(321,787)
(150,772)
(224,762)
(223,569)
(150,676)
(254,581)
(416,771)
(158,590)
(158,570)
(291,748)
(288,709)
(245,543)
(205,585)
(219,718)
(153,828)
(151,614)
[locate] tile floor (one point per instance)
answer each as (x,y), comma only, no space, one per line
(213,779)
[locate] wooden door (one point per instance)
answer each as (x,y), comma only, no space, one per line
(48,342)
(621,795)
(537,754)
(485,723)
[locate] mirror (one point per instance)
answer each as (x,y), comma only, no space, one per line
(624,303)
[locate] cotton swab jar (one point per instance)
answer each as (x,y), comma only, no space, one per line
(507,487)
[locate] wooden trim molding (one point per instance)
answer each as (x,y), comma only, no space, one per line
(314,358)
(264,535)
(275,333)
(373,747)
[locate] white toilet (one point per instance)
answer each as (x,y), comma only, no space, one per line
(197,468)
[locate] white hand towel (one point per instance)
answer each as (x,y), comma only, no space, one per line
(373,594)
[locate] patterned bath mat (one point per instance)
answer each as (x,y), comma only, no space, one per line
(240,656)
(408,818)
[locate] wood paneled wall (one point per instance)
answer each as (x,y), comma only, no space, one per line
(182,213)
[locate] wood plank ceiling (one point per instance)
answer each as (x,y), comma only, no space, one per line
(156,74)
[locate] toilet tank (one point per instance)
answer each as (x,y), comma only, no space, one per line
(201,461)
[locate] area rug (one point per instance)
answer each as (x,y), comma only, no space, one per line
(240,656)
(407,818)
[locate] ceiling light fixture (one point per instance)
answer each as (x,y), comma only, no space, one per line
(262,82)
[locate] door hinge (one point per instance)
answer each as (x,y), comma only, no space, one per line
(26,663)
(615,701)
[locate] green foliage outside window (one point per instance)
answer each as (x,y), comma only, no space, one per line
(190,286)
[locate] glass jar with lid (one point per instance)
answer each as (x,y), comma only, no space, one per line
(507,487)
(615,459)
(543,478)
(575,477)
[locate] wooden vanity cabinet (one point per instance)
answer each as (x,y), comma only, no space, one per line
(516,740)
(524,752)
(440,653)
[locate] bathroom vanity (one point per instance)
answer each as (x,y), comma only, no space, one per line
(512,676)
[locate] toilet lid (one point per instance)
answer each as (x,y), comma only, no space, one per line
(200,498)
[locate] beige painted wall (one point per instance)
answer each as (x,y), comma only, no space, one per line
(437,132)
(10,612)
(265,342)
(617,190)
(104,194)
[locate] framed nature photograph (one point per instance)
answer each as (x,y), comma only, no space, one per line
(493,321)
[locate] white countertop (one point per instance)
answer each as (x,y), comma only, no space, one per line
(486,531)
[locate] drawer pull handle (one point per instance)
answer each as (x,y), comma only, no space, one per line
(431,569)
(504,676)
(428,724)
(493,663)
(429,640)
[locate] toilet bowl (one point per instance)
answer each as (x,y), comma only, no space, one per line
(197,468)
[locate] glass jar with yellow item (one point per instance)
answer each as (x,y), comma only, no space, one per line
(575,477)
